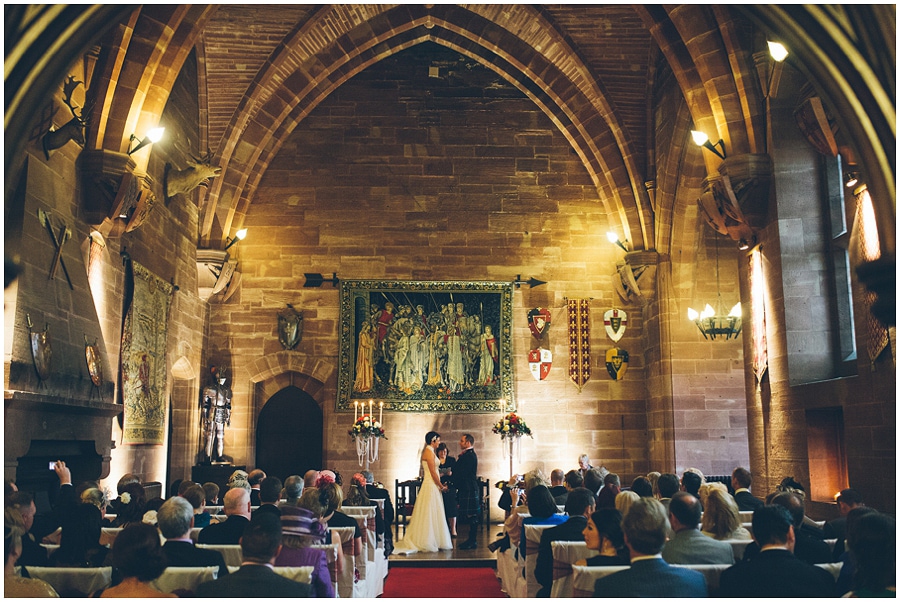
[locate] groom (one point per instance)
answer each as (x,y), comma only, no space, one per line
(465,477)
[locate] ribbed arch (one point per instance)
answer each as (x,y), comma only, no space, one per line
(297,80)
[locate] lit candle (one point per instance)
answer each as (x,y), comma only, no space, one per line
(502,405)
(381,413)
(355,409)
(370,409)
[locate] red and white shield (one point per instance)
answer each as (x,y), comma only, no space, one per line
(539,321)
(615,321)
(539,362)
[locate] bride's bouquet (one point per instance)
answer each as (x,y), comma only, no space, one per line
(365,427)
(511,426)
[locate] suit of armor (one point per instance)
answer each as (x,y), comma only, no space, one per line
(217,415)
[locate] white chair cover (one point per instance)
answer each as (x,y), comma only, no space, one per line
(565,554)
(711,573)
(833,567)
(302,574)
(68,581)
(108,535)
(346,577)
(184,577)
(532,542)
(738,546)
(331,554)
(195,533)
(230,552)
(584,577)
(509,571)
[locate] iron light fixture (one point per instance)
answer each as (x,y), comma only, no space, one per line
(154,135)
(614,239)
(713,323)
(238,236)
(701,139)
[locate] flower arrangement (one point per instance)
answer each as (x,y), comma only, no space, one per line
(512,426)
(366,426)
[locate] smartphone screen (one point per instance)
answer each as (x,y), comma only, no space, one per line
(52,465)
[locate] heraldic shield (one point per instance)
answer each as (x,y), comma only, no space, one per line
(539,321)
(615,321)
(290,327)
(94,364)
(616,363)
(539,362)
(41,350)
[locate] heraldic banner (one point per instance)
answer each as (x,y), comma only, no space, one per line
(579,341)
(144,358)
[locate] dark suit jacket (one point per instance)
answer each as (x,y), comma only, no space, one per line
(465,477)
(182,553)
(254,497)
(807,548)
(272,508)
(377,493)
(253,581)
(571,530)
(558,490)
(226,533)
(776,573)
(746,501)
(652,578)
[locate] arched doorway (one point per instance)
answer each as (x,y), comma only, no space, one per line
(289,434)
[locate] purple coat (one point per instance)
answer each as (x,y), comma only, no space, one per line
(321,579)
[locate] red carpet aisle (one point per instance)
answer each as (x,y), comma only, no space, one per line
(407,582)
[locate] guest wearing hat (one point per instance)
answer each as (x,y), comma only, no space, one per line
(301,529)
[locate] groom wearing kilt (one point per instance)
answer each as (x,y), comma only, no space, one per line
(465,477)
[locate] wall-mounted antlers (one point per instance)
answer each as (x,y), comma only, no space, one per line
(198,173)
(74,129)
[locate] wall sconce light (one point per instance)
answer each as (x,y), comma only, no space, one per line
(317,280)
(746,245)
(238,236)
(614,239)
(154,135)
(851,179)
(701,139)
(778,53)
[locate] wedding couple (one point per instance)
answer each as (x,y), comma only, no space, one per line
(427,530)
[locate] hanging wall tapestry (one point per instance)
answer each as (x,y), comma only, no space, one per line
(760,360)
(579,341)
(426,346)
(144,358)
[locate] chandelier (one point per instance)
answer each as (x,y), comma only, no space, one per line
(711,322)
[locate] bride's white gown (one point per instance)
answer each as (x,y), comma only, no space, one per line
(427,530)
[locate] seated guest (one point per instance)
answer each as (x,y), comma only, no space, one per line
(847,500)
(293,489)
(260,546)
(809,526)
(706,488)
(333,497)
(807,548)
(357,496)
(310,477)
(130,505)
(79,545)
(848,562)
(872,543)
(645,530)
(15,586)
(316,502)
(557,480)
(269,494)
(184,486)
(741,481)
(653,477)
(238,480)
(255,478)
(624,501)
(689,546)
(774,572)
(33,553)
(513,523)
(543,511)
(667,485)
(691,482)
(721,518)
(97,497)
(604,534)
(579,506)
(237,509)
(301,529)
(212,493)
(611,488)
(138,559)
(572,480)
(377,492)
(196,497)
(641,485)
(175,519)
(123,482)
(593,479)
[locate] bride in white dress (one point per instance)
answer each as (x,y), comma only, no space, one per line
(427,530)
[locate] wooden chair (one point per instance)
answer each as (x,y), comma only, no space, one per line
(73,583)
(184,579)
(565,554)
(230,552)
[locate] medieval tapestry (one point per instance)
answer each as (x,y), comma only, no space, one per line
(144,358)
(440,346)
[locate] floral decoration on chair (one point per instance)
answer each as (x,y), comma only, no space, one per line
(511,426)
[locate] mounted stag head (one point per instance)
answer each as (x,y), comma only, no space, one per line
(74,129)
(198,173)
